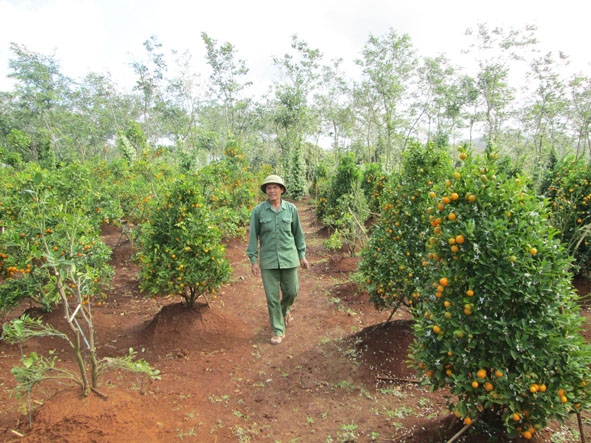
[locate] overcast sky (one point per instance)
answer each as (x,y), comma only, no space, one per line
(106,35)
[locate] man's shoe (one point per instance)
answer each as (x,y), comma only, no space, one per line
(277,339)
(288,319)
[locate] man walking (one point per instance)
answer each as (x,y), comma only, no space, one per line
(276,247)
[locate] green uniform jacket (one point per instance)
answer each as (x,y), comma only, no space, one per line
(280,235)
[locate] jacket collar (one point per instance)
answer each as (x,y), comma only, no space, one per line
(268,205)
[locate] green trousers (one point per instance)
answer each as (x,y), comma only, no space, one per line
(281,288)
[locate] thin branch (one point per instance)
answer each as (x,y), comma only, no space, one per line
(460,432)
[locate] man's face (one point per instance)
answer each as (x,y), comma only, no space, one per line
(273,191)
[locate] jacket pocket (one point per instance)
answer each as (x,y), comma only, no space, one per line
(265,224)
(286,223)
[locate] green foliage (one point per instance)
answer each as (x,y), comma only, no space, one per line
(347,175)
(350,226)
(48,240)
(499,326)
(181,252)
(229,189)
(52,253)
(319,179)
(373,183)
(36,368)
(342,205)
(18,142)
(569,192)
(394,262)
(297,174)
(129,363)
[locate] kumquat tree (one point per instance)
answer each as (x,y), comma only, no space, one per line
(569,191)
(52,253)
(499,326)
(395,261)
(181,252)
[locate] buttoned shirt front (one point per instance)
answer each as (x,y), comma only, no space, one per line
(279,234)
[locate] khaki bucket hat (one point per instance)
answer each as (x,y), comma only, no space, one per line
(273,179)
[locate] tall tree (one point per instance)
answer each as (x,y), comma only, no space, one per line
(497,52)
(150,73)
(40,92)
(434,98)
(96,112)
(580,87)
(334,106)
(388,64)
(545,117)
(228,84)
(181,109)
(291,108)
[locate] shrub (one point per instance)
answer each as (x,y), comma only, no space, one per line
(229,189)
(569,191)
(373,183)
(346,177)
(395,260)
(499,325)
(49,237)
(52,253)
(342,205)
(181,252)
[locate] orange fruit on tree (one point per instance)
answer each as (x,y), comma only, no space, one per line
(452,216)
(467,421)
(533,251)
(454,196)
(470,293)
(527,435)
(443,281)
(498,374)
(475,384)
(488,386)
(481,373)
(516,417)
(445,200)
(437,329)
(460,239)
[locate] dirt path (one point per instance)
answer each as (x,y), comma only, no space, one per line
(221,379)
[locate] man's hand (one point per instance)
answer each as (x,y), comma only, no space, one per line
(256,271)
(304,263)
